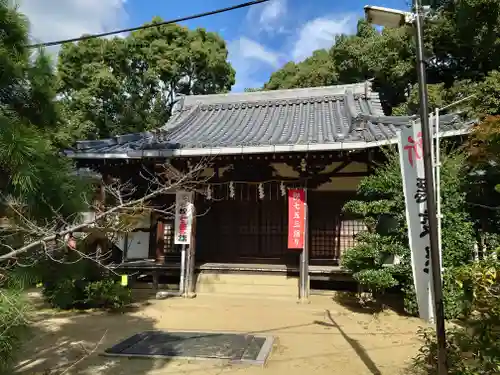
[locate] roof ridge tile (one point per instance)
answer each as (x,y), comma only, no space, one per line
(273,102)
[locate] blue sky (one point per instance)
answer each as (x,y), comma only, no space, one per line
(260,39)
(264,37)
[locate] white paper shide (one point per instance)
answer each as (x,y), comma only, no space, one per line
(183,217)
(412,170)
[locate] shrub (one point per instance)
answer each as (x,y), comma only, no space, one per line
(81,294)
(82,284)
(377,281)
(13,327)
(457,298)
(474,347)
(367,261)
(107,294)
(65,294)
(380,202)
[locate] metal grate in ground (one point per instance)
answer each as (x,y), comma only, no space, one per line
(239,348)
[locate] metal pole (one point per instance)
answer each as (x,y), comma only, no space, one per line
(182,281)
(191,257)
(438,172)
(431,197)
(187,277)
(438,187)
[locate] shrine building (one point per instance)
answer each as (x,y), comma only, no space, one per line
(254,147)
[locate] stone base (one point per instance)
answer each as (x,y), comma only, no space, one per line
(303,301)
(167,294)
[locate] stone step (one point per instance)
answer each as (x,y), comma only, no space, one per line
(246,284)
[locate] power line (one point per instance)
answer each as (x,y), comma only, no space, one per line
(200,15)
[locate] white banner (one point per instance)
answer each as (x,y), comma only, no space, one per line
(412,170)
(183,217)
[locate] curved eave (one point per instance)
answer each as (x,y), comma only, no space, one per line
(247,150)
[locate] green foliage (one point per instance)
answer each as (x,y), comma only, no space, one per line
(81,294)
(34,181)
(438,96)
(366,256)
(125,85)
(458,59)
(376,280)
(107,294)
(31,172)
(464,40)
(387,57)
(487,99)
(380,202)
(409,297)
(483,178)
(65,294)
(474,346)
(457,298)
(81,284)
(317,70)
(13,327)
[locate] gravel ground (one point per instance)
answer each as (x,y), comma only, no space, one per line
(320,338)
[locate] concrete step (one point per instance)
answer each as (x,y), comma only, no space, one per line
(247,284)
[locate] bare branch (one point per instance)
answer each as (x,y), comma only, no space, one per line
(484,206)
(86,355)
(159,184)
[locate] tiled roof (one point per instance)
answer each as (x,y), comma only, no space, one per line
(347,116)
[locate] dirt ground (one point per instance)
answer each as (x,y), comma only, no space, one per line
(320,338)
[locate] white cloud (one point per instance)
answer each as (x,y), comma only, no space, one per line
(272,14)
(320,33)
(52,20)
(270,17)
(250,49)
(248,58)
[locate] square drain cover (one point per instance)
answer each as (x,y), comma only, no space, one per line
(244,348)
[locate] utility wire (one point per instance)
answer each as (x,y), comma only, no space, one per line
(200,15)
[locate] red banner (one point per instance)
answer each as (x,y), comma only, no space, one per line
(296,218)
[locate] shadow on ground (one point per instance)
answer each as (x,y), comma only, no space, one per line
(354,344)
(320,338)
(73,342)
(354,303)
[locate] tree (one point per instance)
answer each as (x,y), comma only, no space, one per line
(380,201)
(484,148)
(317,70)
(474,344)
(32,174)
(387,57)
(464,40)
(123,85)
(34,180)
(462,46)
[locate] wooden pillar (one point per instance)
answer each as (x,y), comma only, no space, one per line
(100,200)
(191,258)
(304,258)
(369,163)
(160,241)
(125,248)
(156,282)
